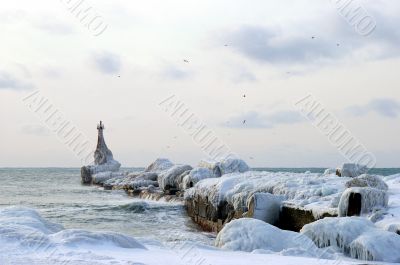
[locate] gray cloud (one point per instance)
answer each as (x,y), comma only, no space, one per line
(258,120)
(107,62)
(173,72)
(34,129)
(9,82)
(293,43)
(385,107)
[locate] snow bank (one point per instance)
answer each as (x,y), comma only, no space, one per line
(225,166)
(194,176)
(365,180)
(159,165)
(311,190)
(356,237)
(170,178)
(248,235)
(352,170)
(371,199)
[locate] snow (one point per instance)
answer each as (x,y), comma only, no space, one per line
(355,236)
(248,235)
(311,190)
(225,166)
(194,176)
(28,239)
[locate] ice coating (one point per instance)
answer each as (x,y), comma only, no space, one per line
(355,236)
(311,190)
(371,199)
(248,235)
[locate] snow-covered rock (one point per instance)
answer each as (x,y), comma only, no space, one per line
(265,207)
(169,178)
(159,165)
(376,245)
(356,237)
(371,199)
(194,176)
(309,190)
(366,180)
(248,235)
(351,170)
(225,166)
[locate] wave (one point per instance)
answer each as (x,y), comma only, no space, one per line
(26,228)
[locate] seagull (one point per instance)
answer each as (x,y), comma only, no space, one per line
(186,61)
(119,76)
(313,37)
(226,45)
(251,157)
(244,95)
(337,44)
(244,121)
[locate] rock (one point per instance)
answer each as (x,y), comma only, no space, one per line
(103,159)
(194,176)
(168,179)
(159,165)
(351,170)
(251,234)
(265,207)
(365,180)
(362,200)
(225,166)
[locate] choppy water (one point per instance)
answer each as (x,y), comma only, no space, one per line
(59,197)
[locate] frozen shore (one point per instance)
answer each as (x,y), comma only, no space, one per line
(344,211)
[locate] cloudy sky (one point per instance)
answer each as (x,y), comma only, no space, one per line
(209,54)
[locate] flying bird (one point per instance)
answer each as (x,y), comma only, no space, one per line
(244,121)
(186,61)
(337,44)
(244,95)
(313,37)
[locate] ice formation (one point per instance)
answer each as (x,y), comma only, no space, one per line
(248,235)
(310,190)
(330,171)
(351,170)
(169,178)
(265,207)
(103,159)
(356,237)
(194,176)
(371,199)
(225,166)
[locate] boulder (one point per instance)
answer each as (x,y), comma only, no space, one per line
(265,207)
(362,200)
(168,179)
(365,180)
(351,170)
(159,165)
